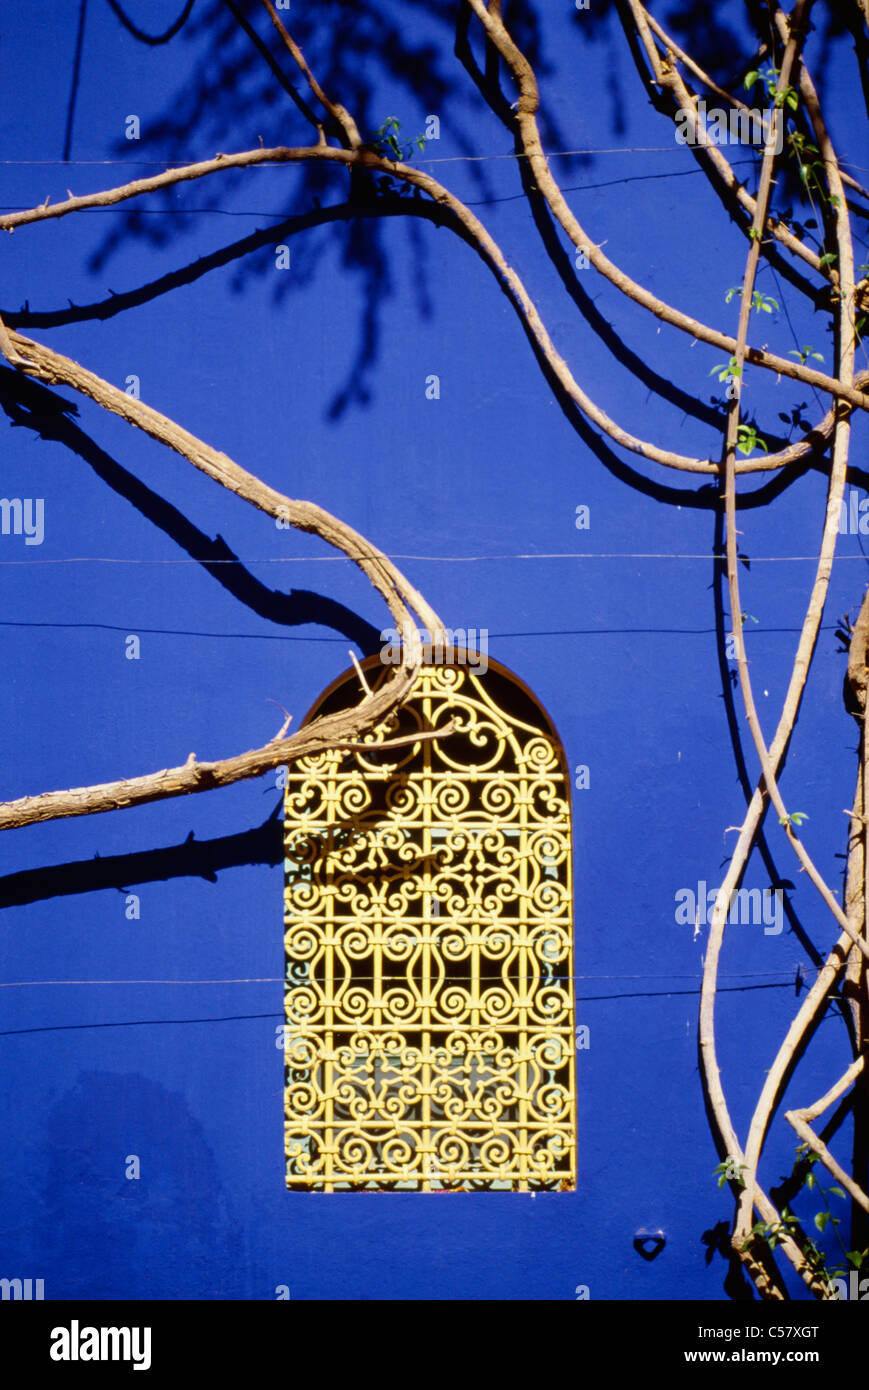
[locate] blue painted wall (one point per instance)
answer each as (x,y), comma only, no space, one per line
(314,379)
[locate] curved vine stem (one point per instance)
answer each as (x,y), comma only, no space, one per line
(799,1119)
(326,732)
(780,1069)
(526,122)
(750,1194)
(366,159)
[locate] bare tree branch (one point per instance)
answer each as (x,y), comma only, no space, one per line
(386,578)
(526,109)
(763,1113)
(366,159)
(343,121)
(800,1118)
(327,734)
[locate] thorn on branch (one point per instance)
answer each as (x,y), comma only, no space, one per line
(286,724)
(369,693)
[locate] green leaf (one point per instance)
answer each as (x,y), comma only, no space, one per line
(726,369)
(821,1219)
(747,438)
(810,1181)
(828,258)
(751,78)
(763,303)
(730,1171)
(839,1193)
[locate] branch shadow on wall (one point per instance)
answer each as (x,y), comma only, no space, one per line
(244,89)
(262,845)
(33,406)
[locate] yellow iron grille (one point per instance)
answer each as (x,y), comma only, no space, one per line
(429,998)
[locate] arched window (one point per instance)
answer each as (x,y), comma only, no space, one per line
(429,996)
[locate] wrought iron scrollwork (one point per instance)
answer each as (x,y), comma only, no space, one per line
(429,993)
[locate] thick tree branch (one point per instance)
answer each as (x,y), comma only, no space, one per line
(669,77)
(327,734)
(400,596)
(846,339)
(800,1121)
(526,122)
(343,122)
(53,368)
(366,159)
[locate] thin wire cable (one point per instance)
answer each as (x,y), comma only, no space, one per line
(435,159)
(490,635)
(280,979)
(436,559)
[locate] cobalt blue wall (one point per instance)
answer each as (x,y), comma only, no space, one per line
(314,378)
